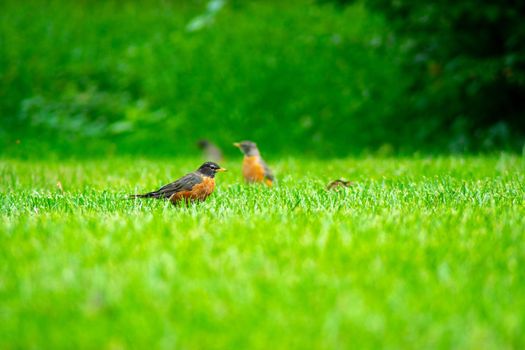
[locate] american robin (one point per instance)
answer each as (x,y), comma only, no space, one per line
(254,169)
(338,184)
(210,150)
(195,186)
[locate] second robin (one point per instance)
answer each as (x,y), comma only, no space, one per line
(254,169)
(195,186)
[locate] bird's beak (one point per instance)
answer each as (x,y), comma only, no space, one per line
(221,170)
(237,144)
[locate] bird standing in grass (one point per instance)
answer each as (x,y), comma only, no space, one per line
(339,184)
(195,186)
(254,169)
(210,150)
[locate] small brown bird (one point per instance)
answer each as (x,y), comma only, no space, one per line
(338,184)
(254,169)
(210,150)
(195,186)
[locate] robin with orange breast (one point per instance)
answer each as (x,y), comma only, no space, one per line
(195,186)
(254,169)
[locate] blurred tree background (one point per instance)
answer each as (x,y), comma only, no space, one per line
(466,62)
(322,77)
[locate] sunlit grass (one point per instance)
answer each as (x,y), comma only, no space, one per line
(420,253)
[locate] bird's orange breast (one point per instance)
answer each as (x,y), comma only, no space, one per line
(252,170)
(199,192)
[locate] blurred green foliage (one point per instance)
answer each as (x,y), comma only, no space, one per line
(136,77)
(466,62)
(153,77)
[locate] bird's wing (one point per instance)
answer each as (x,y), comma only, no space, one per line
(185,183)
(267,172)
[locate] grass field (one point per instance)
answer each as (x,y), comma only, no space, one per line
(420,253)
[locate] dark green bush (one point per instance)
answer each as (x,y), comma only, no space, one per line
(466,63)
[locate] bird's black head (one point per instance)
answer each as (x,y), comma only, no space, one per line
(249,148)
(210,169)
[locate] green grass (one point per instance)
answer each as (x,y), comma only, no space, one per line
(421,253)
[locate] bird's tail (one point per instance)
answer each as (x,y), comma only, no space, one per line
(145,195)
